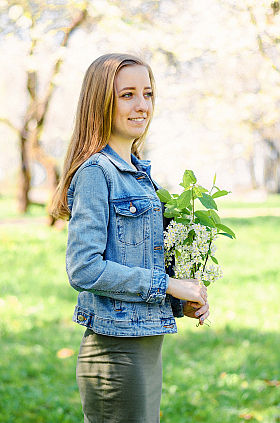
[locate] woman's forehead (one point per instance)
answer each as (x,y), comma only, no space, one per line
(132,76)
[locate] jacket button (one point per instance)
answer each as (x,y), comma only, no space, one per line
(132,209)
(81,318)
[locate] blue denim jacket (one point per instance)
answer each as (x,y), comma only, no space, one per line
(115,255)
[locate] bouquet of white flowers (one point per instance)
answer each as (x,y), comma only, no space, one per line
(189,238)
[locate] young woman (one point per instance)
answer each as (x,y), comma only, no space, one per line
(115,256)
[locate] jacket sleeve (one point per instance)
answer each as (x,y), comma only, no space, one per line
(87,238)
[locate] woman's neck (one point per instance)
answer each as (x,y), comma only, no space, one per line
(122,149)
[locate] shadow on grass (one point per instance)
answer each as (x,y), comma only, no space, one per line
(37,385)
(209,376)
(227,376)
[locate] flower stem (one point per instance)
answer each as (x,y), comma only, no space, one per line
(207,256)
(193,202)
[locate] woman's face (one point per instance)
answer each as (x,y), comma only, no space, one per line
(134,103)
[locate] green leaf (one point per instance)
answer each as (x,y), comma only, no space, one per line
(229,236)
(182,220)
(207,201)
(164,195)
(226,229)
(177,253)
(206,283)
(171,204)
(188,241)
(192,233)
(190,238)
(214,260)
(201,189)
(185,212)
(184,199)
(188,179)
(203,212)
(191,175)
(197,192)
(214,180)
(215,216)
(171,213)
(220,193)
(204,219)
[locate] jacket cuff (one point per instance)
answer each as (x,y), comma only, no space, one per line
(157,292)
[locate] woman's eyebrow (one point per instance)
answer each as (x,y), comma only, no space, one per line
(133,88)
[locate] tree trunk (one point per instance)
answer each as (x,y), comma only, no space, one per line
(252,172)
(33,127)
(272,171)
(24,176)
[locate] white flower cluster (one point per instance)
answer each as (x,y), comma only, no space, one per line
(190,244)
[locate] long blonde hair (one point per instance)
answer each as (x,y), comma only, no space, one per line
(94,117)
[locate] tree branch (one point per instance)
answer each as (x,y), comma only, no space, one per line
(10,124)
(75,23)
(260,41)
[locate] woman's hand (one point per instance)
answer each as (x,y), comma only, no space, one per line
(192,309)
(187,289)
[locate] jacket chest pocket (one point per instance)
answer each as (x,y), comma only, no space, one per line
(133,220)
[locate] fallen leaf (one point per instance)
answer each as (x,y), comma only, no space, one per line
(64,353)
(272,382)
(246,416)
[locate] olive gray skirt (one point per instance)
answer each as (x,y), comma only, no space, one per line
(120,379)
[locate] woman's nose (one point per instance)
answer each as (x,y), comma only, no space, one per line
(142,104)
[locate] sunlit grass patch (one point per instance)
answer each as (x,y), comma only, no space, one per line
(230,371)
(215,376)
(226,373)
(8,209)
(36,306)
(269,201)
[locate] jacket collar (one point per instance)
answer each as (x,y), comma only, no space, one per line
(122,165)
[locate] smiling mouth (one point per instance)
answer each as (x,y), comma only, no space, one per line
(140,119)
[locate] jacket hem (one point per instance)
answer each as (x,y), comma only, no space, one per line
(126,328)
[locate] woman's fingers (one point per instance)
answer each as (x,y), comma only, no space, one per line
(204,317)
(202,310)
(193,309)
(193,305)
(198,296)
(201,300)
(202,313)
(187,289)
(202,292)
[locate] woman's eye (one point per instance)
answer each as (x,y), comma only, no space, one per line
(149,94)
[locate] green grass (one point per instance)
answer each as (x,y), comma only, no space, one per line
(8,209)
(36,307)
(211,374)
(272,201)
(219,373)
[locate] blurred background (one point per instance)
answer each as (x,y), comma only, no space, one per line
(217,70)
